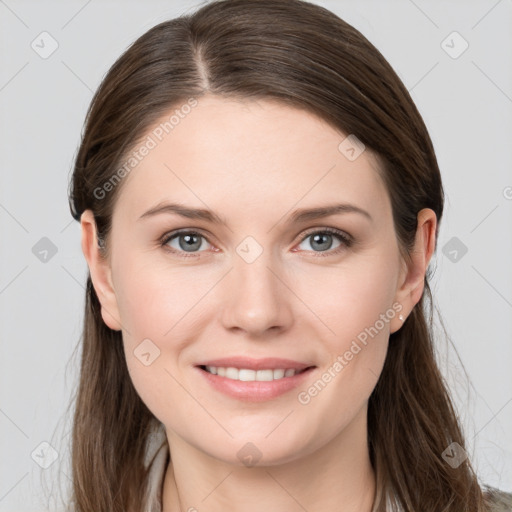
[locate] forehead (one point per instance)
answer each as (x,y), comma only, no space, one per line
(245,155)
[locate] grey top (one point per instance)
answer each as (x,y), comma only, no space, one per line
(157,456)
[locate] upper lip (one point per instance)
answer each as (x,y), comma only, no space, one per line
(267,363)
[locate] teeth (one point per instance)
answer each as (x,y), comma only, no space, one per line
(279,374)
(247,375)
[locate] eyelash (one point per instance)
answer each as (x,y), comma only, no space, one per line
(346,240)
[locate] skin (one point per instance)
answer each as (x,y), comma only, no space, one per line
(254,162)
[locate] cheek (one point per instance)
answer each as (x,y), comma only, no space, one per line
(155,298)
(351,297)
(159,306)
(358,312)
(358,309)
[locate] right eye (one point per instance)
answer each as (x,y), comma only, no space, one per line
(186,241)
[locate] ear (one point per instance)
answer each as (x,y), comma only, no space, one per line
(412,277)
(100,270)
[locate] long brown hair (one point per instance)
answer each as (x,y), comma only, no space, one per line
(305,56)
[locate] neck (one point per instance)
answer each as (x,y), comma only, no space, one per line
(338,476)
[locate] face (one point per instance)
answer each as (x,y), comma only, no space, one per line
(255,282)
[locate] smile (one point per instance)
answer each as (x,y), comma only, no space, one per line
(253,385)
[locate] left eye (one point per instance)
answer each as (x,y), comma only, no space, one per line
(191,241)
(322,240)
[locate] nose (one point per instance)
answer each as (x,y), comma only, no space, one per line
(257,297)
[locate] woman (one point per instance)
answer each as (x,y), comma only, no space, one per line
(229,363)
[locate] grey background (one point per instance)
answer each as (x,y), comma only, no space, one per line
(466,103)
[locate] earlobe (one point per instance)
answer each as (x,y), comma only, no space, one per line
(100,271)
(412,278)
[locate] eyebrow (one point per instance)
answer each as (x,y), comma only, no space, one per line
(297,217)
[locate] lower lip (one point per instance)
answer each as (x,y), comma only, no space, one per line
(254,391)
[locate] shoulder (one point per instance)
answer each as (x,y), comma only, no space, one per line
(496,500)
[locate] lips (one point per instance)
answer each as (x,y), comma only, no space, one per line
(249,390)
(249,380)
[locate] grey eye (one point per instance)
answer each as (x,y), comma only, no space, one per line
(188,242)
(321,241)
